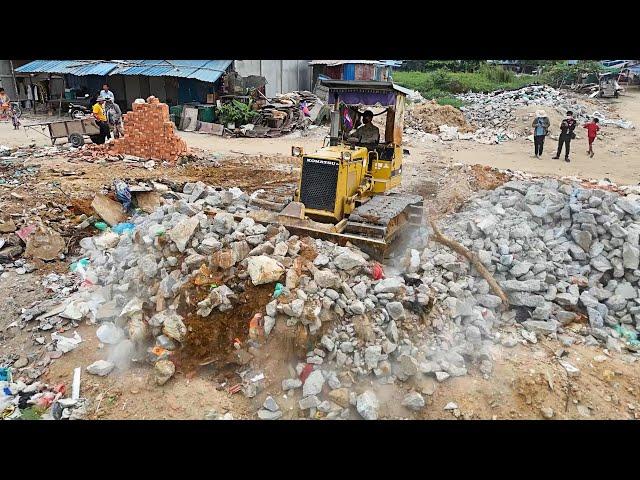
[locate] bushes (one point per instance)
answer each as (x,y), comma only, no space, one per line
(236,112)
(563,74)
(443,83)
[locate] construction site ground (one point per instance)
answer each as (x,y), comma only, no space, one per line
(525,378)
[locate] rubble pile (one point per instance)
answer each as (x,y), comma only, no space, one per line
(133,285)
(284,114)
(499,109)
(562,253)
(149,133)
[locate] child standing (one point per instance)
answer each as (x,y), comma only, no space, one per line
(592,130)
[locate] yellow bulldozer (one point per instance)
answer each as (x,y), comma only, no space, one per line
(346,191)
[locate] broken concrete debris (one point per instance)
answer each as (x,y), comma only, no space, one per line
(491,118)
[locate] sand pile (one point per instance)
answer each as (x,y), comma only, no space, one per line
(429,116)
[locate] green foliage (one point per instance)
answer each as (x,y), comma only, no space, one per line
(497,74)
(30,414)
(432,65)
(453,101)
(443,84)
(236,112)
(560,73)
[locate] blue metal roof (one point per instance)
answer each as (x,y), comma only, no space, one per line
(204,70)
(71,67)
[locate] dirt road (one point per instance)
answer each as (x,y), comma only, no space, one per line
(617,150)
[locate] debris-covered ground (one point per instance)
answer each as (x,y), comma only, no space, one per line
(183,309)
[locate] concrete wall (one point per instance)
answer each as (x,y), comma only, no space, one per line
(282,75)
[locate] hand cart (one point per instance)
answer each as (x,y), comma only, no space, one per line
(74,130)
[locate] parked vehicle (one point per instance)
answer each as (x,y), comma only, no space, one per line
(78,110)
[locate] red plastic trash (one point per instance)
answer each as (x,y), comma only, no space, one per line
(377,272)
(306,371)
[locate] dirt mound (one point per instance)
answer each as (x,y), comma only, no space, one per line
(430,115)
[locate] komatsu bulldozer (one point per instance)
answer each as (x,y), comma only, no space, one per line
(346,192)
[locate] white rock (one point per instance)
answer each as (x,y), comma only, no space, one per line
(263,269)
(101,368)
(367,405)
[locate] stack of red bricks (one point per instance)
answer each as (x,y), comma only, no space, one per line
(150,134)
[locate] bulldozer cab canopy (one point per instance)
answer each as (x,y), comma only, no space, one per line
(386,94)
(364,92)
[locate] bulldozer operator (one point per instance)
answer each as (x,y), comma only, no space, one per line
(367,134)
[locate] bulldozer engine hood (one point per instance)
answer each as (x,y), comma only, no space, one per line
(334,153)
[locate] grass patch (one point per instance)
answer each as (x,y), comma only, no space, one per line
(30,414)
(453,101)
(443,84)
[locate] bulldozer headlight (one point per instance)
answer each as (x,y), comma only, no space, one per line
(296,151)
(346,156)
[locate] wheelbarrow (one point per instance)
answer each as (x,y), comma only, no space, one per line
(74,130)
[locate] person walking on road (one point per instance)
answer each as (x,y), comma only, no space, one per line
(567,134)
(592,131)
(540,131)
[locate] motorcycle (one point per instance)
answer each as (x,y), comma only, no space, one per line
(77,110)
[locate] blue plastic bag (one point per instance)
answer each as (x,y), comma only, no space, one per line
(123,228)
(277,291)
(123,194)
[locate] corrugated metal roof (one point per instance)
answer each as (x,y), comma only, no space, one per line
(204,70)
(71,67)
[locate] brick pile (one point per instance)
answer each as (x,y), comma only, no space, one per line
(150,134)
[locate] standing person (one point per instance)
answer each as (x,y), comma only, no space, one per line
(106,93)
(5,103)
(567,126)
(592,130)
(114,116)
(540,130)
(101,120)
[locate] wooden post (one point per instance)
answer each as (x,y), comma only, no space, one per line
(15,83)
(64,83)
(33,93)
(49,104)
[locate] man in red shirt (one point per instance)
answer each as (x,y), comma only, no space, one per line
(592,130)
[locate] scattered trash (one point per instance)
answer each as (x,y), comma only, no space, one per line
(123,194)
(277,291)
(377,272)
(24,232)
(122,228)
(66,344)
(5,374)
(75,386)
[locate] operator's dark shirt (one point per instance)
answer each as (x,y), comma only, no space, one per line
(368,134)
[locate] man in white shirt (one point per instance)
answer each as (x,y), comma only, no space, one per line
(106,93)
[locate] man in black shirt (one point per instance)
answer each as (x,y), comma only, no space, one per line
(567,127)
